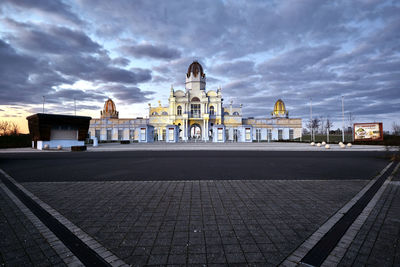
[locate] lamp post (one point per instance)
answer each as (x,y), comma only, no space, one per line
(75,105)
(44,98)
(311,122)
(343,119)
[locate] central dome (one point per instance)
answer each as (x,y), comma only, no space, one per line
(195,68)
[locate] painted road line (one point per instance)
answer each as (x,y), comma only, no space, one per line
(83,246)
(295,258)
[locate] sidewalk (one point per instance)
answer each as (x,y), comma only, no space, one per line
(162,146)
(216,223)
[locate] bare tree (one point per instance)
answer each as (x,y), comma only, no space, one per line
(4,126)
(328,124)
(13,129)
(9,128)
(322,124)
(396,128)
(314,124)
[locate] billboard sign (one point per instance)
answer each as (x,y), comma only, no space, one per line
(368,131)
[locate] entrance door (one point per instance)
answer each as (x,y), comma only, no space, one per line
(195,132)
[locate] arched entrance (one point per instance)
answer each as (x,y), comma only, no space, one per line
(195,132)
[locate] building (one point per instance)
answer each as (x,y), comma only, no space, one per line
(199,115)
(53,130)
(109,127)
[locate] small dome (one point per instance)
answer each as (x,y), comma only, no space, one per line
(279,108)
(195,68)
(109,106)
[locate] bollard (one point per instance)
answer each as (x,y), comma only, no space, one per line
(59,147)
(312,143)
(327,146)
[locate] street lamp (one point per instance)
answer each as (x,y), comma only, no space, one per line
(311,122)
(343,119)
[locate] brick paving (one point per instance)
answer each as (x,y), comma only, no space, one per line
(378,241)
(21,243)
(199,222)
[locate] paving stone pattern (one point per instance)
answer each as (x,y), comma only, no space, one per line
(199,222)
(378,241)
(21,244)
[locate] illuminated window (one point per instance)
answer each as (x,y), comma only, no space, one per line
(220,132)
(171,134)
(248,134)
(143,134)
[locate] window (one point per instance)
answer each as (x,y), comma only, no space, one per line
(220,132)
(291,134)
(164,134)
(280,134)
(120,134)
(248,134)
(179,111)
(226,113)
(236,113)
(195,99)
(226,134)
(108,134)
(195,110)
(143,134)
(164,113)
(269,134)
(154,113)
(212,110)
(171,134)
(235,135)
(131,134)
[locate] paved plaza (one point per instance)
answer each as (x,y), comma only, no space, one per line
(218,217)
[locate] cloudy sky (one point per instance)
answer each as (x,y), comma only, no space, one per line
(257,51)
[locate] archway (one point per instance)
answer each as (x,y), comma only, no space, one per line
(195,131)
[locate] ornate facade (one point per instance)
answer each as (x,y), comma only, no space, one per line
(198,115)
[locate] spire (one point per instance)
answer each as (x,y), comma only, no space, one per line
(172,91)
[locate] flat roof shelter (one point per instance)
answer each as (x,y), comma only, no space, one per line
(52,130)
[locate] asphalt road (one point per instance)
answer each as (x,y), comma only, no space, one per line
(191,165)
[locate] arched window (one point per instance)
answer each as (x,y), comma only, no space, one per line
(179,110)
(195,99)
(154,113)
(164,113)
(212,112)
(236,113)
(226,113)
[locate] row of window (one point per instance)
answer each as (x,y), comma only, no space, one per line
(195,111)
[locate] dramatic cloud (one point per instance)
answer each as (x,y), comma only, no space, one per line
(258,51)
(151,51)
